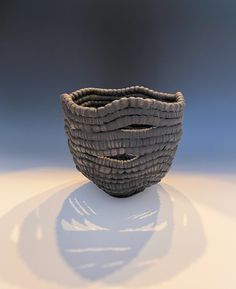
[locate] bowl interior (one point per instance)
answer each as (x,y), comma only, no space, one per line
(98,97)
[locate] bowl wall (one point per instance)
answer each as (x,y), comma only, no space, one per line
(123,140)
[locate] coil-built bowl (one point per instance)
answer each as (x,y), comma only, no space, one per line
(123,140)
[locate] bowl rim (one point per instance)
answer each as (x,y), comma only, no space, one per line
(163,101)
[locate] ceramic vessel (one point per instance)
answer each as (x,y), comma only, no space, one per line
(123,140)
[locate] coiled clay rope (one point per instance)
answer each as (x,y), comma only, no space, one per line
(123,140)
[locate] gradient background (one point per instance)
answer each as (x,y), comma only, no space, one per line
(51,47)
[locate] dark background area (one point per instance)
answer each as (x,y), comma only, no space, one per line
(51,47)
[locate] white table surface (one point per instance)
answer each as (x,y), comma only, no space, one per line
(57,230)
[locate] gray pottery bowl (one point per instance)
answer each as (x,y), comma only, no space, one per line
(123,140)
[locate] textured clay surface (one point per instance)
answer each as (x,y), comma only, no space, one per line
(123,140)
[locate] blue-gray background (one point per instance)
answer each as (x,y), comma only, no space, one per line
(51,47)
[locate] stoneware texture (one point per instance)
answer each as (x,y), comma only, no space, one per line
(123,140)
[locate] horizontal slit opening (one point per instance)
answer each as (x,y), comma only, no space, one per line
(122,157)
(138,127)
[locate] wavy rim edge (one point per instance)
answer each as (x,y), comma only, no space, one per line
(161,99)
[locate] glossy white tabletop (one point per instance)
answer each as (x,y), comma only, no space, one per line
(58,230)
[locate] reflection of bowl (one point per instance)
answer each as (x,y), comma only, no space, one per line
(97,236)
(123,139)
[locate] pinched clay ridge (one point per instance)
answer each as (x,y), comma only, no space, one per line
(123,140)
